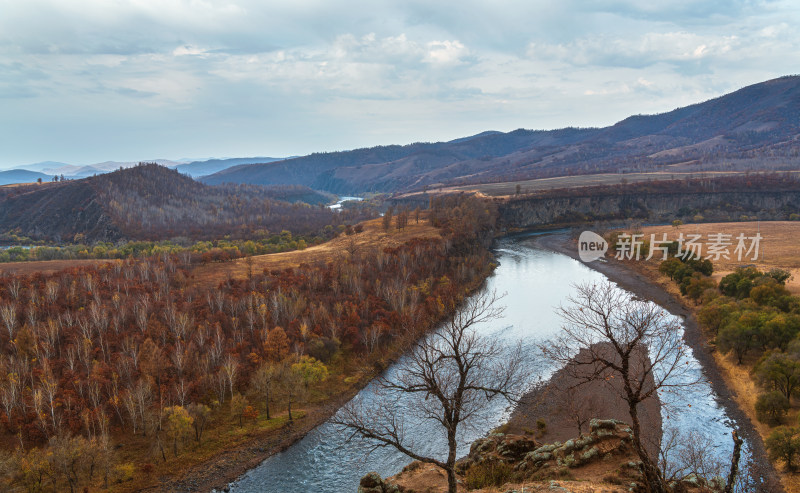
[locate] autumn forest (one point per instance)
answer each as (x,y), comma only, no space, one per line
(135,352)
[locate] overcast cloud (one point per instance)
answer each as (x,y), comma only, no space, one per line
(83,81)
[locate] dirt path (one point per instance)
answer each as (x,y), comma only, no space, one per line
(646,289)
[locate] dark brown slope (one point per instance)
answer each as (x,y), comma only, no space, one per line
(151,202)
(757,127)
(59,212)
(382,168)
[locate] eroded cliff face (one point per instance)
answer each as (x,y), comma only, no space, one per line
(540,212)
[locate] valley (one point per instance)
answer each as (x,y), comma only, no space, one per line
(235,329)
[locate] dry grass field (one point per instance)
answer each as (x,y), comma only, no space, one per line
(373,235)
(532,186)
(212,274)
(779,247)
(46,266)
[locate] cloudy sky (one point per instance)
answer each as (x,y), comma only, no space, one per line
(83,81)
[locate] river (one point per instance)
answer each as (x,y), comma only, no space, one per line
(534,281)
(343,199)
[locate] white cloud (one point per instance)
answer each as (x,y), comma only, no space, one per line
(639,51)
(188,50)
(188,75)
(445,52)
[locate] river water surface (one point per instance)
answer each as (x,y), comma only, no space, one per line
(535,282)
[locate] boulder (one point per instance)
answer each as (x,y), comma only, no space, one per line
(372,483)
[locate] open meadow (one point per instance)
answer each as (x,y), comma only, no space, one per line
(779,246)
(509,188)
(373,235)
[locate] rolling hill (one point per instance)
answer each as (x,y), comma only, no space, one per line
(196,168)
(211,166)
(754,128)
(151,202)
(21,176)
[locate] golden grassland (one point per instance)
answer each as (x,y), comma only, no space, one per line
(373,235)
(209,275)
(780,250)
(780,245)
(47,266)
(504,189)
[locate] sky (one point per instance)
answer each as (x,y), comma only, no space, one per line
(86,81)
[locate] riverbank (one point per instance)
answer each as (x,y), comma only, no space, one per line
(645,288)
(228,465)
(232,462)
(520,280)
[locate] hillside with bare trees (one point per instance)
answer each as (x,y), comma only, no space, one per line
(150,202)
(753,129)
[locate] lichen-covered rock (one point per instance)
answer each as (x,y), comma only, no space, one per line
(590,454)
(515,447)
(585,440)
(536,456)
(603,432)
(608,424)
(546,448)
(372,483)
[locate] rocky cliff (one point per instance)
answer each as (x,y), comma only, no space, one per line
(602,460)
(572,209)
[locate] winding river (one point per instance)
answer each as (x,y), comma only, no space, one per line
(535,281)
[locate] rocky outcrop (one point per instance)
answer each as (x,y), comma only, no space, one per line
(372,483)
(534,212)
(608,439)
(497,447)
(601,460)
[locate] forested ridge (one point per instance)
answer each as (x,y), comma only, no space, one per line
(151,202)
(133,352)
(755,128)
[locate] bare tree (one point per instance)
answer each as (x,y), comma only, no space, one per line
(684,455)
(609,335)
(689,454)
(447,379)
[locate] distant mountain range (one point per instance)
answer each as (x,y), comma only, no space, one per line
(21,176)
(72,171)
(208,167)
(48,169)
(757,127)
(754,128)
